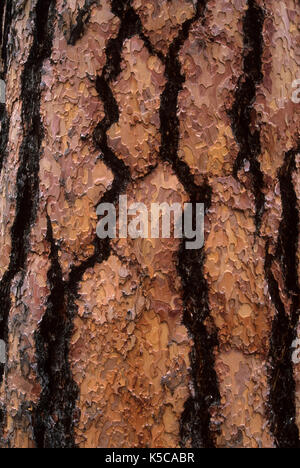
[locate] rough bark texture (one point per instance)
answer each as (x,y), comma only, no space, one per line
(142,343)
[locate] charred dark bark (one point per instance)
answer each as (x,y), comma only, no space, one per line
(28,172)
(6,15)
(241,113)
(56,400)
(53,419)
(195,423)
(83,17)
(281,403)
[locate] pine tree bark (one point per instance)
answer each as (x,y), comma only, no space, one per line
(142,343)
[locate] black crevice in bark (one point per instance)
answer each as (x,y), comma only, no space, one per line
(129,27)
(124,11)
(27,176)
(53,417)
(5,24)
(241,113)
(56,411)
(169,121)
(289,226)
(6,14)
(195,421)
(4,131)
(2,14)
(282,406)
(83,17)
(2,5)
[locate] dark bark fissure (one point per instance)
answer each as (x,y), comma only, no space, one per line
(4,131)
(195,421)
(202,358)
(53,419)
(55,414)
(241,113)
(83,17)
(196,417)
(6,15)
(282,406)
(27,182)
(120,8)
(2,9)
(5,24)
(289,226)
(169,126)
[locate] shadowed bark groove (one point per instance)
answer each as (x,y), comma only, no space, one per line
(83,17)
(27,176)
(2,4)
(6,14)
(4,130)
(195,423)
(60,393)
(241,115)
(284,329)
(197,309)
(53,418)
(5,24)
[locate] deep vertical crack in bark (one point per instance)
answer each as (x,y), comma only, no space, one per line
(130,26)
(195,422)
(6,14)
(4,131)
(53,419)
(2,9)
(248,138)
(83,17)
(282,406)
(28,173)
(55,413)
(5,23)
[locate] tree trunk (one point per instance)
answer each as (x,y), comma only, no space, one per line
(142,342)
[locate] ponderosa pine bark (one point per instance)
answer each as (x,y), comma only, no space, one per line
(143,343)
